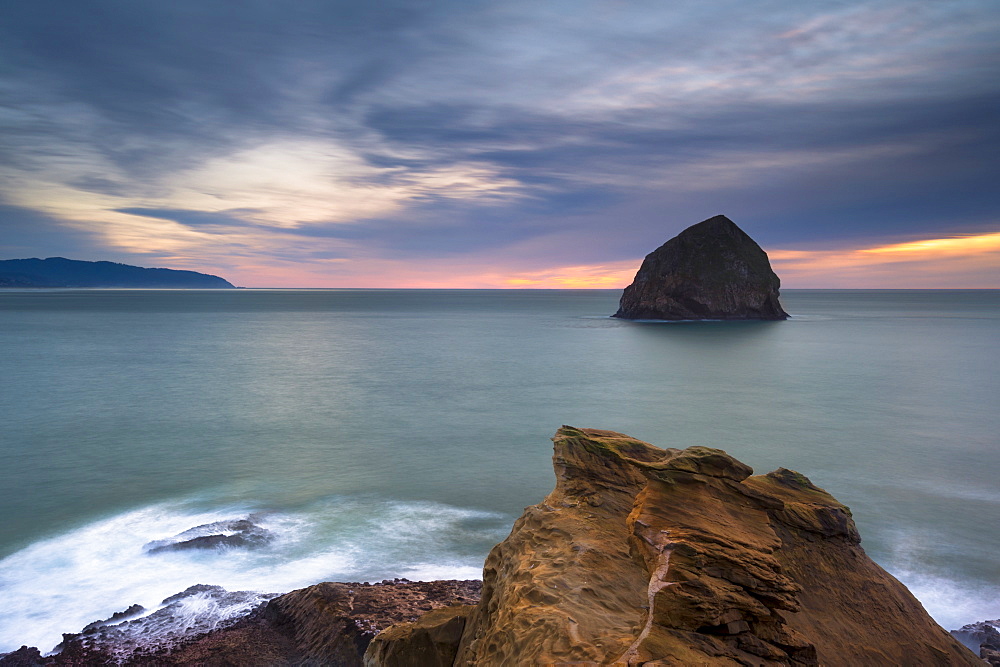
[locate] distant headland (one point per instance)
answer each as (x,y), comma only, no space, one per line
(62,272)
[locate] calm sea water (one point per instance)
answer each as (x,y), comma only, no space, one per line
(385,433)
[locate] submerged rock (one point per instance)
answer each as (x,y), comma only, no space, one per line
(982,638)
(115,618)
(678,557)
(240,533)
(710,271)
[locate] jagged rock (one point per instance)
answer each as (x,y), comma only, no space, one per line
(325,624)
(26,656)
(237,533)
(680,557)
(710,271)
(333,623)
(194,612)
(117,617)
(982,638)
(430,641)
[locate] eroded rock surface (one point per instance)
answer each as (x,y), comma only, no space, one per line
(333,623)
(711,271)
(645,556)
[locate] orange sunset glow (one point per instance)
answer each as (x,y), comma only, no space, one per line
(971,262)
(958,262)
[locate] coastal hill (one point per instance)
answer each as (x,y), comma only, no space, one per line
(640,555)
(62,272)
(711,271)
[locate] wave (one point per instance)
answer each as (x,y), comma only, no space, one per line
(950,600)
(63,583)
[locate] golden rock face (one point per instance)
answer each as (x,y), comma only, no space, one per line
(642,555)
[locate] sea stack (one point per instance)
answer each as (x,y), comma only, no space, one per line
(711,271)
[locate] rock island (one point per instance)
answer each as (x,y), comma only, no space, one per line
(711,271)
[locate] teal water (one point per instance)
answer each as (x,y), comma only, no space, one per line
(383,433)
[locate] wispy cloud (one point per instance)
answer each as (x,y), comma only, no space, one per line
(958,262)
(540,136)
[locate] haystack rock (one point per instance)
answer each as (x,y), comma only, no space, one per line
(711,271)
(646,556)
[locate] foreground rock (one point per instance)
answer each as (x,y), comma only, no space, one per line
(677,557)
(710,271)
(639,556)
(325,624)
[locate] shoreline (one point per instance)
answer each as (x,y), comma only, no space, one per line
(341,618)
(638,554)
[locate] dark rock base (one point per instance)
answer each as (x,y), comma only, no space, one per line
(326,624)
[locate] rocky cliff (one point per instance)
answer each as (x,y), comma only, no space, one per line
(677,557)
(710,271)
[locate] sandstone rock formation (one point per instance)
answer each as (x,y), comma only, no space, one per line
(710,271)
(645,556)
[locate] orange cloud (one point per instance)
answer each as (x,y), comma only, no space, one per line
(971,261)
(959,262)
(589,276)
(956,246)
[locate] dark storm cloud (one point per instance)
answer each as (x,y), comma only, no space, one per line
(26,231)
(197,219)
(616,123)
(934,171)
(152,85)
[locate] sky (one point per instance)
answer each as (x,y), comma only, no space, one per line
(508,143)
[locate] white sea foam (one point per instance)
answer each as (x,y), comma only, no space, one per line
(63,583)
(950,601)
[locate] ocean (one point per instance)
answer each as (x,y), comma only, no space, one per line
(373,434)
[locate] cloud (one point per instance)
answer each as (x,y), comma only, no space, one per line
(24,231)
(542,136)
(595,276)
(958,262)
